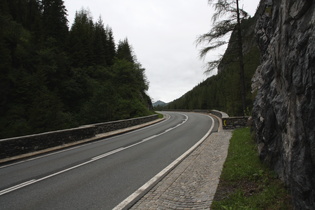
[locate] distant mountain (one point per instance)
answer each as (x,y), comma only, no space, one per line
(159,103)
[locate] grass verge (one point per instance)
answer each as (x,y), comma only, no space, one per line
(245,182)
(159,115)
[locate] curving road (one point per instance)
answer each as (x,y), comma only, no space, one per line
(101,174)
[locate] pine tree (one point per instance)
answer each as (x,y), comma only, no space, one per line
(80,40)
(17,9)
(217,34)
(124,51)
(110,46)
(100,43)
(55,22)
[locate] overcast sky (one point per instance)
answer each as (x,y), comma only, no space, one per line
(162,34)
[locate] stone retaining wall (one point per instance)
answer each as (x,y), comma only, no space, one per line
(120,124)
(227,122)
(24,144)
(235,122)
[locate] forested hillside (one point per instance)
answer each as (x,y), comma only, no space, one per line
(223,91)
(54,77)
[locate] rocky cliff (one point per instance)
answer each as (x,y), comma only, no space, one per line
(284,108)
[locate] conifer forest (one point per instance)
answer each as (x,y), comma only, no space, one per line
(55,76)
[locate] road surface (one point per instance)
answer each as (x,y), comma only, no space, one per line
(101,174)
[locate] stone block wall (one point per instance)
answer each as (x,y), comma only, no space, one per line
(235,122)
(120,124)
(25,144)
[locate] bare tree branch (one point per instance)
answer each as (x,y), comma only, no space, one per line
(226,9)
(212,65)
(215,45)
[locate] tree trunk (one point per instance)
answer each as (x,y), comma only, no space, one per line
(241,59)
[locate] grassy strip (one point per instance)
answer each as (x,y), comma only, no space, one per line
(245,182)
(159,115)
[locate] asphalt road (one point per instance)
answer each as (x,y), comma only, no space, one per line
(101,174)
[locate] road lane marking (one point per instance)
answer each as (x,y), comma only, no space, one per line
(107,154)
(149,138)
(134,197)
(16,187)
(33,181)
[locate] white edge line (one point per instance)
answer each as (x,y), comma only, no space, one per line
(129,201)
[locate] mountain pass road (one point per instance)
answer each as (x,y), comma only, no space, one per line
(100,174)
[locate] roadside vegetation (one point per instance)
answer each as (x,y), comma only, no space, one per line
(245,182)
(159,115)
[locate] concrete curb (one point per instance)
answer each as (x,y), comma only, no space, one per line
(220,128)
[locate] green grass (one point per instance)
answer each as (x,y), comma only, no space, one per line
(159,115)
(245,182)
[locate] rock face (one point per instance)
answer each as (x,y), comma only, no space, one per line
(284,108)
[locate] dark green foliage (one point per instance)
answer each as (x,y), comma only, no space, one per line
(52,78)
(100,44)
(124,51)
(110,46)
(80,40)
(54,20)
